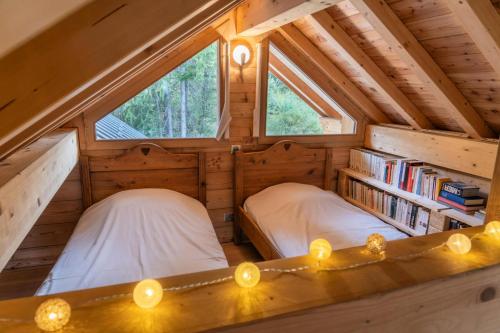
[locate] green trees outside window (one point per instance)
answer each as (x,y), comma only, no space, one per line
(182,104)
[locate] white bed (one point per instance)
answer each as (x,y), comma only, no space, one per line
(292,215)
(136,234)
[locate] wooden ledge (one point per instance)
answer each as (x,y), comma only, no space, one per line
(312,297)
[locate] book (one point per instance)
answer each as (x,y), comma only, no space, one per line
(422,221)
(461,189)
(460,207)
(464,201)
(439,185)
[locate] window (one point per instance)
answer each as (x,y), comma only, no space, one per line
(182,104)
(298,106)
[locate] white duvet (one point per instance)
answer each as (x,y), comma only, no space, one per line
(133,235)
(292,215)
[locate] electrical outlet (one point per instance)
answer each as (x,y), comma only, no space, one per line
(228,217)
(235,148)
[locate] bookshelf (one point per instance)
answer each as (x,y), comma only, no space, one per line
(412,197)
(384,218)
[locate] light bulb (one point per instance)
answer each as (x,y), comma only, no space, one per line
(459,244)
(247,275)
(320,249)
(376,243)
(148,293)
(493,229)
(52,314)
(241,54)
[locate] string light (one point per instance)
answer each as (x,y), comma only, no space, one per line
(148,293)
(52,314)
(493,229)
(376,243)
(320,249)
(247,275)
(459,243)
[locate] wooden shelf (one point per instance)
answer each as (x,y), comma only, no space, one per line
(383,217)
(415,198)
(462,217)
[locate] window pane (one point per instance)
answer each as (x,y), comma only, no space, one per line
(287,113)
(182,104)
(298,106)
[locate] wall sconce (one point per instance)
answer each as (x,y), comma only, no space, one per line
(241,52)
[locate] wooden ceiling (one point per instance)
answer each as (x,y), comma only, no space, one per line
(419,61)
(428,64)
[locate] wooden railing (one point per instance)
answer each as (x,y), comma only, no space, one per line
(434,290)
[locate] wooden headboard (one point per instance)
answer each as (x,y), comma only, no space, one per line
(285,161)
(145,166)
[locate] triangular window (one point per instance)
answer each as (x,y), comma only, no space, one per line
(182,104)
(298,106)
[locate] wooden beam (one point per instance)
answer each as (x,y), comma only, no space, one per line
(326,26)
(41,87)
(465,155)
(396,34)
(28,181)
(305,92)
(413,295)
(256,17)
(482,22)
(297,38)
(493,207)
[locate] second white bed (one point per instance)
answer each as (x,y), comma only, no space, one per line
(292,215)
(133,235)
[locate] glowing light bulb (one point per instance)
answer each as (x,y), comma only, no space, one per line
(376,243)
(247,275)
(241,54)
(493,229)
(320,249)
(459,244)
(148,293)
(52,314)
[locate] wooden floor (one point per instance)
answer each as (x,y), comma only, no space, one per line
(24,282)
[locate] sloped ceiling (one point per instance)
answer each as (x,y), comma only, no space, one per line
(442,36)
(21,20)
(432,24)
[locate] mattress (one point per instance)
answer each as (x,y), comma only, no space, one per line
(133,235)
(292,215)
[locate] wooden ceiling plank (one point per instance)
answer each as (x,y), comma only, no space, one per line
(299,40)
(88,47)
(260,16)
(396,34)
(288,77)
(326,26)
(482,22)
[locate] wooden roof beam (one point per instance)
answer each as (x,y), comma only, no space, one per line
(299,87)
(326,26)
(396,34)
(482,22)
(256,17)
(28,181)
(300,41)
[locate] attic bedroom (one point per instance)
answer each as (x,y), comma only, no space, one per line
(249,165)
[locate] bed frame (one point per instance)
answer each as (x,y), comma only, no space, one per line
(285,161)
(146,165)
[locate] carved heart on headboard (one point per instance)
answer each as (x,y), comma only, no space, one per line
(145,151)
